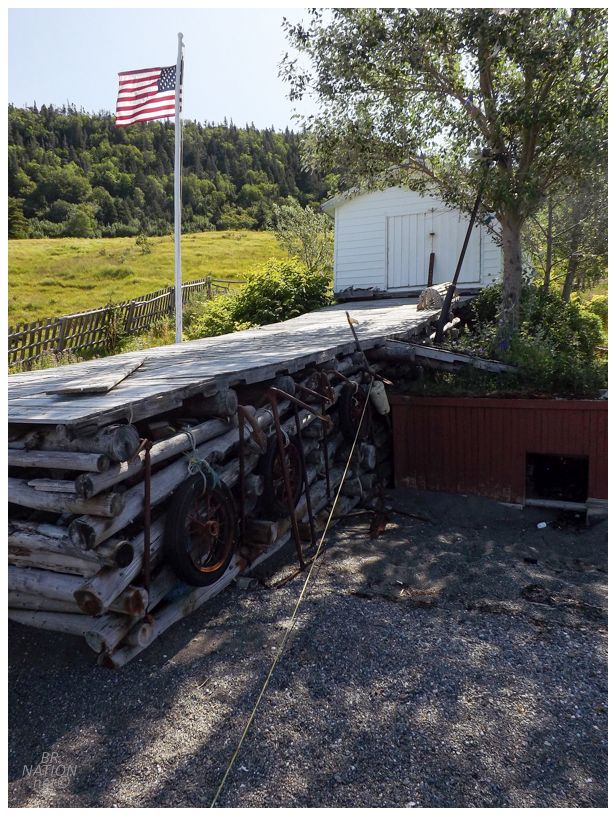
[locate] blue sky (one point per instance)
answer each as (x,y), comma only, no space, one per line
(231,58)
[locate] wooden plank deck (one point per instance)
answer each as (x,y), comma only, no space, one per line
(169,374)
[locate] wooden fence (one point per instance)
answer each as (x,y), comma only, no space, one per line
(98,330)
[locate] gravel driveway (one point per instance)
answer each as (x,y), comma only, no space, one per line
(458,663)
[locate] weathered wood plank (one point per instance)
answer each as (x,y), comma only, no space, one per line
(100,385)
(170,373)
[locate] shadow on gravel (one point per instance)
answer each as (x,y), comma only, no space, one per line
(457,663)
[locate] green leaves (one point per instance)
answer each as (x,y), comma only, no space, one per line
(422,88)
(231,176)
(279,290)
(305,234)
(555,349)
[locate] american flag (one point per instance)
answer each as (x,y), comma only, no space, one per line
(145,95)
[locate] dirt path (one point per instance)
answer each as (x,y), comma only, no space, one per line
(455,663)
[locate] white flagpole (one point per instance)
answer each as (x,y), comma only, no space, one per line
(177,179)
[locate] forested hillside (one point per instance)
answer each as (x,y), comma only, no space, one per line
(74,174)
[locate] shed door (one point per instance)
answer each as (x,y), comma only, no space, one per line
(448,230)
(407,253)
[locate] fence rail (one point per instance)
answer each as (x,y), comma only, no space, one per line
(99,329)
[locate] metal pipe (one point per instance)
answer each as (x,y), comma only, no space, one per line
(278,392)
(315,394)
(177,194)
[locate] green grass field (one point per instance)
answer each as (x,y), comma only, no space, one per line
(56,276)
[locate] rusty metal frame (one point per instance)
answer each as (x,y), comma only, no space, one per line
(277,392)
(316,394)
(273,399)
(325,452)
(242,471)
(340,375)
(302,458)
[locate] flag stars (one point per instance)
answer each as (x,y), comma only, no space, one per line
(167,79)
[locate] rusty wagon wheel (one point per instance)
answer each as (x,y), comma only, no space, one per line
(274,495)
(200,531)
(350,409)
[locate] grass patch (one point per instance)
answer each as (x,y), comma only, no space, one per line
(115,272)
(79,264)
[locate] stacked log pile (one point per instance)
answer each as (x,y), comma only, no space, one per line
(94,518)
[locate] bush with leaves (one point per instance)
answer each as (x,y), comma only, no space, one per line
(598,306)
(217,317)
(554,349)
(305,234)
(279,290)
(143,243)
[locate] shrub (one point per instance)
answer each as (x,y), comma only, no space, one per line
(41,228)
(277,291)
(305,234)
(160,333)
(555,348)
(143,244)
(217,317)
(118,230)
(81,224)
(193,310)
(598,306)
(235,218)
(280,290)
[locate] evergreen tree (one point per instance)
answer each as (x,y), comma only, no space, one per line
(72,173)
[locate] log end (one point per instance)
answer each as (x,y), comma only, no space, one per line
(116,504)
(81,534)
(124,554)
(125,443)
(88,602)
(103,463)
(83,485)
(134,602)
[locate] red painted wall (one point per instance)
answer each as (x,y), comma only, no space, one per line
(479,446)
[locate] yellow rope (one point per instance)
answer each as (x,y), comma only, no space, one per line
(302,594)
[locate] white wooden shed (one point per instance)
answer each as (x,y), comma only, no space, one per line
(383,240)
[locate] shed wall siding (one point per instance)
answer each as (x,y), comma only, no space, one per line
(361,241)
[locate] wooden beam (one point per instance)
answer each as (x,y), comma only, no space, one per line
(397,351)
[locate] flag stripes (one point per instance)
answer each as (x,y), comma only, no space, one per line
(146,94)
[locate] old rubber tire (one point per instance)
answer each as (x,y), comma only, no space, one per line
(350,407)
(274,499)
(200,531)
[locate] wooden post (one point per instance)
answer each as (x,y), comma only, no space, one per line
(431,269)
(129,317)
(61,335)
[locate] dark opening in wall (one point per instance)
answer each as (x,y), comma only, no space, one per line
(556,478)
